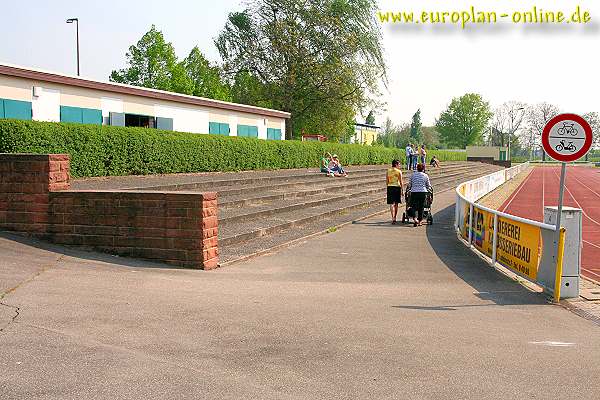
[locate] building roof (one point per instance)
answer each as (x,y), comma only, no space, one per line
(367,125)
(52,77)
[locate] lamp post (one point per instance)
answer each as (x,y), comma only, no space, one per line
(70,21)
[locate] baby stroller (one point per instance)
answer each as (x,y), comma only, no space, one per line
(410,211)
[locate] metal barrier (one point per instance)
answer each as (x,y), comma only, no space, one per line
(526,247)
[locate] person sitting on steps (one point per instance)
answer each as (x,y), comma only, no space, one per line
(335,168)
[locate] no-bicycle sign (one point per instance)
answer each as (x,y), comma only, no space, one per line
(567,137)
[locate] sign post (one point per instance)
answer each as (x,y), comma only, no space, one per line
(566,138)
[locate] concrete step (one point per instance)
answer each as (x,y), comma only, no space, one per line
(299,226)
(248,227)
(281,179)
(243,196)
(268,208)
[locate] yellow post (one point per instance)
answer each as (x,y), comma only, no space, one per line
(559,264)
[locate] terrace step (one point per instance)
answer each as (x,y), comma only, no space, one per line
(248,227)
(239,197)
(269,233)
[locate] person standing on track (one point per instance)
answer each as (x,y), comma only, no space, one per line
(419,187)
(394,188)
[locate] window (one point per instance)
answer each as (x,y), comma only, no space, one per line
(247,131)
(15,109)
(80,115)
(217,128)
(274,134)
(142,121)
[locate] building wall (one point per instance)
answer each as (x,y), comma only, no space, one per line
(364,135)
(485,152)
(186,117)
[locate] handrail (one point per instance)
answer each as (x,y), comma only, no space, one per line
(500,213)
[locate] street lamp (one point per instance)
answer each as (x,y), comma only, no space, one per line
(70,21)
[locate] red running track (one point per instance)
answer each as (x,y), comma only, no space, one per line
(582,190)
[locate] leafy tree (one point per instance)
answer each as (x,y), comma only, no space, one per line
(205,79)
(431,137)
(464,121)
(322,61)
(416,134)
(370,118)
(151,63)
(248,89)
(394,135)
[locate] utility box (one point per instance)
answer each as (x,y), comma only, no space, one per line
(571,220)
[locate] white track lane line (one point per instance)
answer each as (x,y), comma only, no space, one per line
(591,244)
(590,272)
(517,192)
(576,202)
(587,216)
(543,191)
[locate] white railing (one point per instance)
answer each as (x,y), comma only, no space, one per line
(520,244)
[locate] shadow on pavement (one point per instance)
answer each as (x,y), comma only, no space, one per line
(84,254)
(488,284)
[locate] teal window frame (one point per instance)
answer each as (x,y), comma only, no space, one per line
(273,134)
(218,128)
(78,115)
(247,131)
(16,109)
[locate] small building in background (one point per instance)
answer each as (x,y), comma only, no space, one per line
(365,134)
(313,138)
(32,94)
(497,155)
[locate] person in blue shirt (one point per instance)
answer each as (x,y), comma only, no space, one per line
(409,156)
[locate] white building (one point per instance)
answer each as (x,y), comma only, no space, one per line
(45,96)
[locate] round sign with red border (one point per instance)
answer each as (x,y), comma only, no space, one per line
(567,137)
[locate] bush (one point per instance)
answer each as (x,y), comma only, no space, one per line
(97,150)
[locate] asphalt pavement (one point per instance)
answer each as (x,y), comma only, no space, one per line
(372,311)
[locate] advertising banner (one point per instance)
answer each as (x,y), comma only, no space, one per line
(519,246)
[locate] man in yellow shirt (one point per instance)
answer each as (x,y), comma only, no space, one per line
(394,189)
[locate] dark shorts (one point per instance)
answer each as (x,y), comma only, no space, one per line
(394,194)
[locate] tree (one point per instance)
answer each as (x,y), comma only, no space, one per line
(370,118)
(205,79)
(464,121)
(416,134)
(394,135)
(505,124)
(322,61)
(431,137)
(593,119)
(537,117)
(151,63)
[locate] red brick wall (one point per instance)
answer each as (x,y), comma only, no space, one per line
(25,184)
(173,227)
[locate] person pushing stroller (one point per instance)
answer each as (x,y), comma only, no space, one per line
(419,188)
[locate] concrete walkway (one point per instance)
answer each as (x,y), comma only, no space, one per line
(372,311)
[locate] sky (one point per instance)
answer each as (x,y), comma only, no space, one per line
(428,65)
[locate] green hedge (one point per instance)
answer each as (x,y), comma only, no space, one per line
(108,150)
